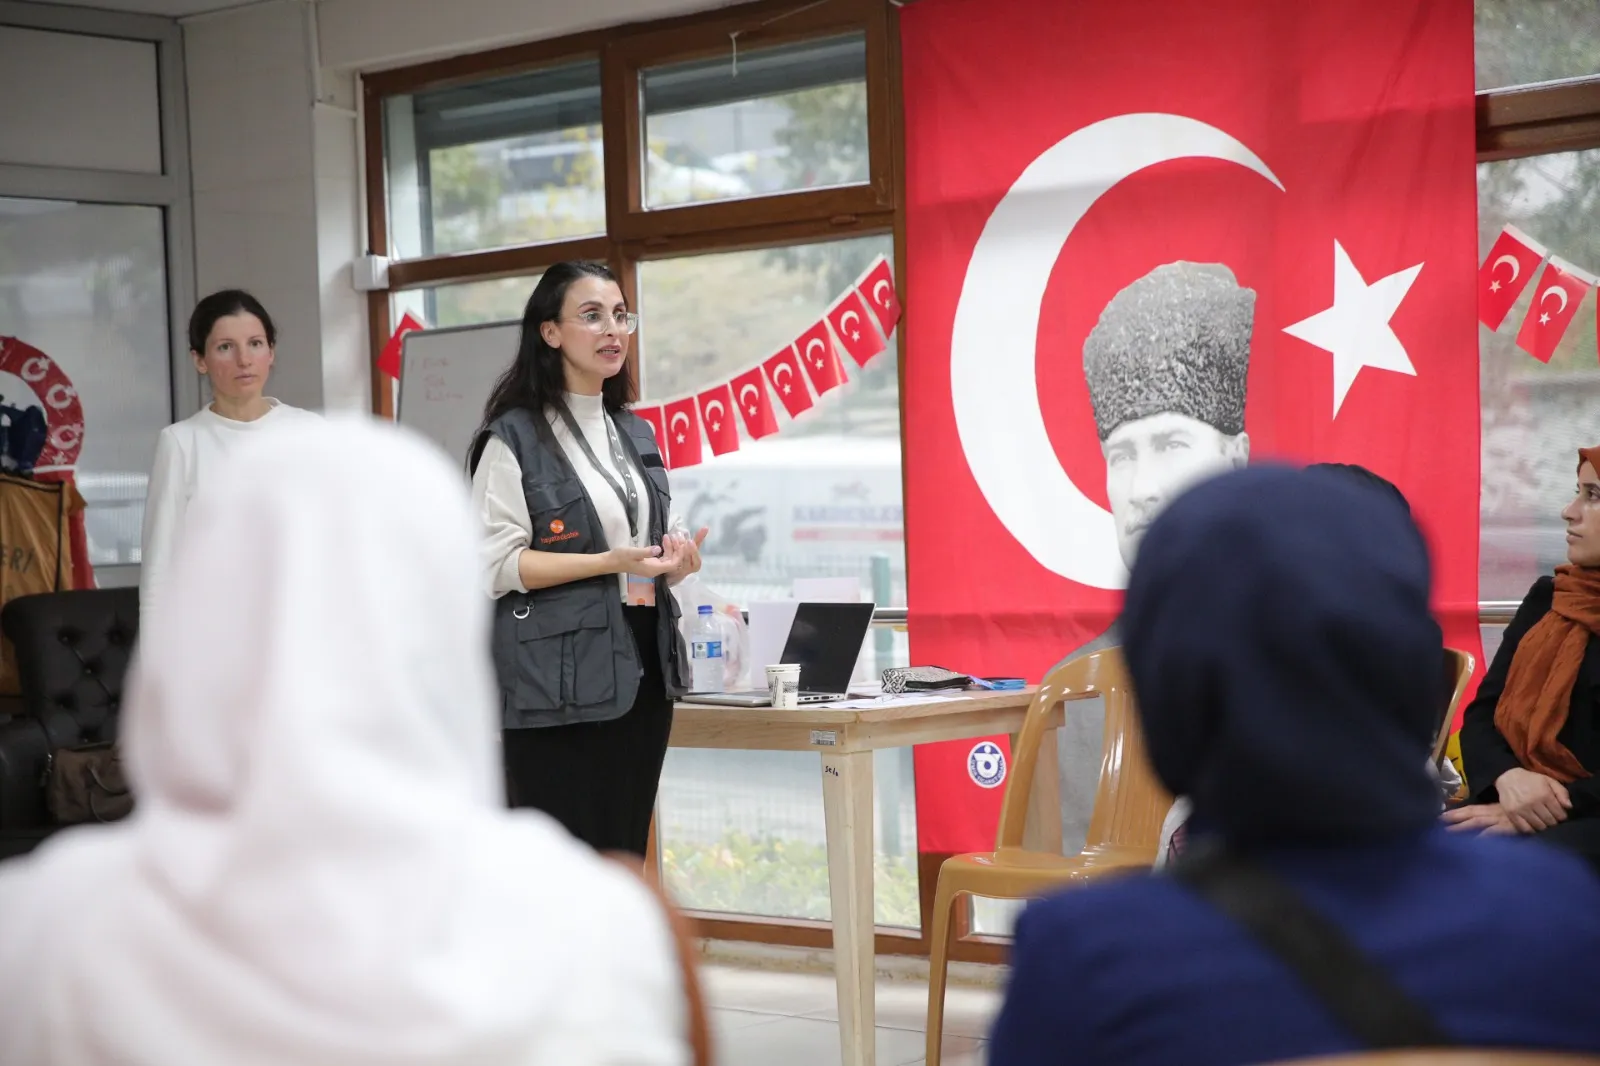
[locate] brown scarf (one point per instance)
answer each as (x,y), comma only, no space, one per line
(1538,693)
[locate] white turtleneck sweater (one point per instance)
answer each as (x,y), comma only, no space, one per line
(186,453)
(502,505)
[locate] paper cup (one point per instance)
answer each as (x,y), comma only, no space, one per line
(784,681)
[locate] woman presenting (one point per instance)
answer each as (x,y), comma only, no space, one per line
(574,501)
(232,341)
(1530,741)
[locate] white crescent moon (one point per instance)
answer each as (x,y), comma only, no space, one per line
(1559,291)
(751,390)
(783,368)
(847,316)
(995,388)
(881,301)
(673,425)
(816,342)
(1515,269)
(714,405)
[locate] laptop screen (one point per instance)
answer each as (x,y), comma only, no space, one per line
(826,641)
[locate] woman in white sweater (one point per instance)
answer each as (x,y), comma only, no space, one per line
(232,341)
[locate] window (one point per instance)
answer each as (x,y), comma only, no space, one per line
(1535,416)
(1523,42)
(769,121)
(470,303)
(86,285)
(515,160)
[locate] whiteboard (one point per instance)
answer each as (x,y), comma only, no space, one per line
(446,376)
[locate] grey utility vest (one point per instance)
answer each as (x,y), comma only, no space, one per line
(566,654)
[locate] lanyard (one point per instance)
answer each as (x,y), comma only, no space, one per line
(629,496)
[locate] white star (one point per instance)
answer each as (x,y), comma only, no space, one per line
(680,438)
(1494,286)
(1356,328)
(786,390)
(753,409)
(1544,319)
(716,427)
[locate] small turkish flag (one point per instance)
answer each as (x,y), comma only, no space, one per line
(877,289)
(755,406)
(849,320)
(819,358)
(683,433)
(652,415)
(716,415)
(1505,272)
(784,374)
(389,358)
(1561,289)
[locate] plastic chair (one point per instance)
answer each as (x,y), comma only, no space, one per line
(1459,665)
(1124,829)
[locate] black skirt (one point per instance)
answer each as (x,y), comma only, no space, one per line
(599,779)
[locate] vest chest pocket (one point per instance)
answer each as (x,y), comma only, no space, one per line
(564,653)
(558,514)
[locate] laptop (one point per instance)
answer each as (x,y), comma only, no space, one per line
(825,640)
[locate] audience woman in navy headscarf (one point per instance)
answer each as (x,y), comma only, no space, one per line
(1288,672)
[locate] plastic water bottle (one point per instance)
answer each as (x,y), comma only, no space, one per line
(705,643)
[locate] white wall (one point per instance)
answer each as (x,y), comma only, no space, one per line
(364,35)
(275,195)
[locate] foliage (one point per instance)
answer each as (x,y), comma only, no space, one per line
(1524,41)
(768,876)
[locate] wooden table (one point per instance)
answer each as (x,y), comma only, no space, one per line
(845,739)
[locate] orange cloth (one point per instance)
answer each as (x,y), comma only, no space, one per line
(35,548)
(1538,693)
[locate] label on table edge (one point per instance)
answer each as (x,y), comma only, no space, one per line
(824,738)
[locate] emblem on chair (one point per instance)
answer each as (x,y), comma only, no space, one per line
(987,765)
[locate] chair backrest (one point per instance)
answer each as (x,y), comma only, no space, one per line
(1458,666)
(1129,803)
(73,650)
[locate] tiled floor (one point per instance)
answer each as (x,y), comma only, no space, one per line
(770,1018)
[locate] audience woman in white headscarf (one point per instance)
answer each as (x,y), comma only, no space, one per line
(320,869)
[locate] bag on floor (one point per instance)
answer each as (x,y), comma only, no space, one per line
(87,784)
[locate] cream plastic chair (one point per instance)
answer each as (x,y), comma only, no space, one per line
(1124,829)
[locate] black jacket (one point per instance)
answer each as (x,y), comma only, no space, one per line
(1485,755)
(566,654)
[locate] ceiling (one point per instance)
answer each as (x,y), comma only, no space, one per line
(169,8)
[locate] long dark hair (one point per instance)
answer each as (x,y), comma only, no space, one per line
(221,305)
(535,379)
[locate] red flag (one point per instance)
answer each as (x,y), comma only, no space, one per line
(784,374)
(1325,251)
(389,358)
(877,289)
(653,416)
(1561,289)
(816,352)
(1505,272)
(716,415)
(683,433)
(856,332)
(755,406)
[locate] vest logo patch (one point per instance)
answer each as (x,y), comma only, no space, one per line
(557,526)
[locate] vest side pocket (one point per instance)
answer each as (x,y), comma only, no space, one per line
(564,654)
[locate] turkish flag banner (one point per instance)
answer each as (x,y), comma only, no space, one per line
(816,352)
(389,358)
(849,320)
(1561,289)
(1505,272)
(717,418)
(1257,242)
(784,373)
(876,287)
(683,433)
(658,424)
(755,406)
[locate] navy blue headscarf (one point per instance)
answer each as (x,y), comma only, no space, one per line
(1287,669)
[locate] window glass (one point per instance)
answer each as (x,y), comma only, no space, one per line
(1535,416)
(86,284)
(514,160)
(470,303)
(755,123)
(1520,42)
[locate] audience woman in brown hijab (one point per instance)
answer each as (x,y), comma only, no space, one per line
(1530,742)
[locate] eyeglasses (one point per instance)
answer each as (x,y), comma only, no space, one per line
(596,321)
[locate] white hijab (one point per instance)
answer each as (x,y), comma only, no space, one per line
(320,871)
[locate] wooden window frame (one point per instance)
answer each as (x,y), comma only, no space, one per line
(1511,123)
